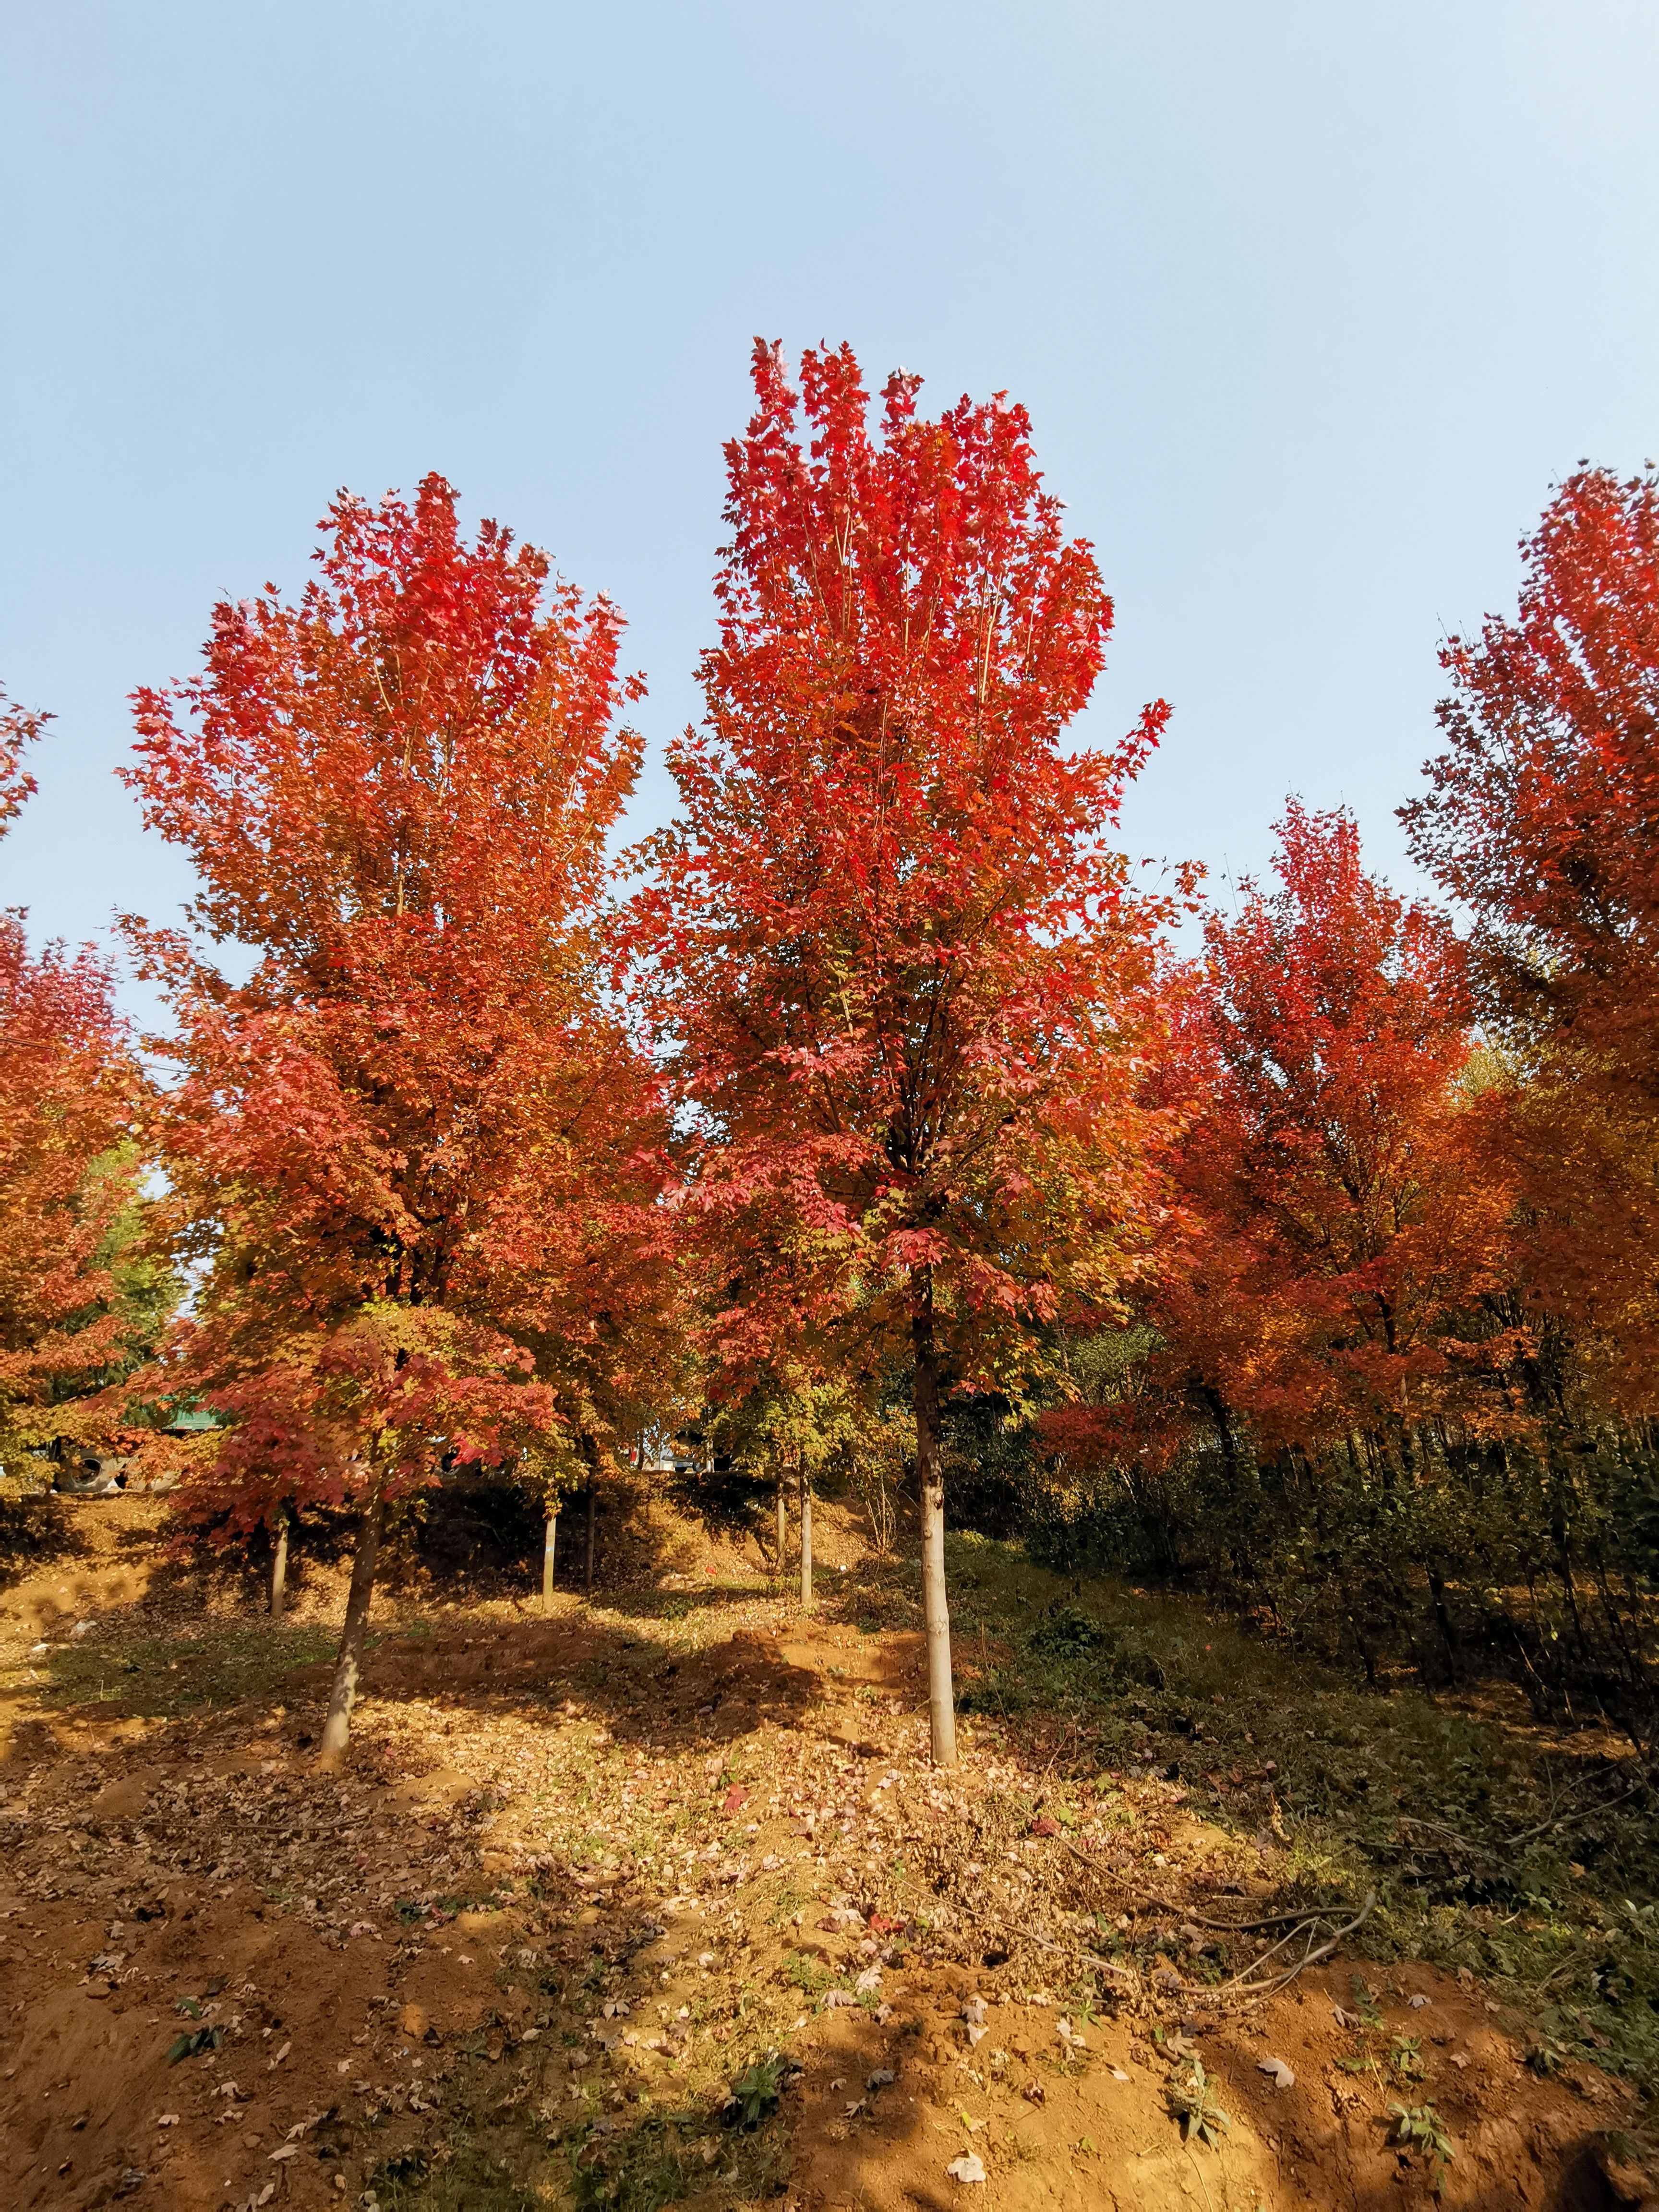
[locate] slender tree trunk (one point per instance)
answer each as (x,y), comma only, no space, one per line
(592,1513)
(349,1667)
(805,1536)
(783,1520)
(279,1569)
(930,1479)
(1443,1616)
(550,1552)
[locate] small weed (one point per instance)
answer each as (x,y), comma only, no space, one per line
(1192,2103)
(1406,2057)
(1067,1631)
(755,2092)
(1420,2128)
(806,1974)
(192,2045)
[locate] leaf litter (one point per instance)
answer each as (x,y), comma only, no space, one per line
(461,1927)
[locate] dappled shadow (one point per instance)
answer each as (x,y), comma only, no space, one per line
(636,1685)
(35,1532)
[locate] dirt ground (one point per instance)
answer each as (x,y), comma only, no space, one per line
(586,1875)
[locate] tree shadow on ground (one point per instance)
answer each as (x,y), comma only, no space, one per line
(36,1531)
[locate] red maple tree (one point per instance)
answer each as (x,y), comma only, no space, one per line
(397,791)
(1543,816)
(900,955)
(1343,1203)
(69,1091)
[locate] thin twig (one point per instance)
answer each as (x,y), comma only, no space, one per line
(1164,1905)
(1312,1958)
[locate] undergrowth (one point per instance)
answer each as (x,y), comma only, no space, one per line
(1527,1856)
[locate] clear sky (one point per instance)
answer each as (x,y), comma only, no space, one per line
(1310,302)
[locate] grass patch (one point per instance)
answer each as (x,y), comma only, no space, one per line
(159,1677)
(507,2161)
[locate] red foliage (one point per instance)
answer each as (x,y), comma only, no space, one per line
(894,939)
(1345,1210)
(1544,817)
(398,790)
(68,1091)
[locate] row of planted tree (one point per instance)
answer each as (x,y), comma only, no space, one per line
(877,1110)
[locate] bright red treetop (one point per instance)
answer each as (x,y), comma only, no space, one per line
(1544,811)
(1346,1213)
(1343,1207)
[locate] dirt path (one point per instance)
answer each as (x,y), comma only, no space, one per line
(585,1872)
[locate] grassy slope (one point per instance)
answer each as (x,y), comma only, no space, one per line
(1421,1799)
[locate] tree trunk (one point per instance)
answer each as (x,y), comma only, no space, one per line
(783,1520)
(930,1480)
(349,1667)
(279,1569)
(549,1551)
(805,1537)
(592,1511)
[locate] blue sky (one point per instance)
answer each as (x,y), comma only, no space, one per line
(1309,304)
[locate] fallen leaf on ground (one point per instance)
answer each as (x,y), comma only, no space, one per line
(970,2167)
(1283,2077)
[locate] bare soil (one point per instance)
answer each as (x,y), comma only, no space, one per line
(587,1873)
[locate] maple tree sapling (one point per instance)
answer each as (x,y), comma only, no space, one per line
(397,790)
(790,1424)
(910,983)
